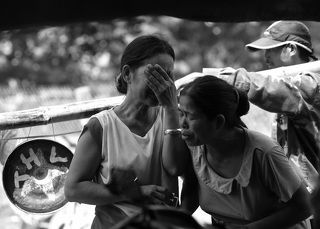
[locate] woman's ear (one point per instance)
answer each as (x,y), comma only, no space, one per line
(220,122)
(126,74)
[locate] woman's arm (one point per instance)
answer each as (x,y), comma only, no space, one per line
(79,186)
(296,209)
(189,192)
(174,148)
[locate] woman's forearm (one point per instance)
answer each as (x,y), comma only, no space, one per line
(88,192)
(287,216)
(174,148)
(189,197)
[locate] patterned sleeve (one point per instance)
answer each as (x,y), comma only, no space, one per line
(294,96)
(279,175)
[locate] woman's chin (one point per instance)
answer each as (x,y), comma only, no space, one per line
(188,140)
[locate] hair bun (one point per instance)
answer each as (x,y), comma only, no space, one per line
(243,105)
(121,85)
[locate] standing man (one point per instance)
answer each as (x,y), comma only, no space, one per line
(289,43)
(295,98)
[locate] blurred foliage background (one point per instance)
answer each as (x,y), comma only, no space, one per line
(89,53)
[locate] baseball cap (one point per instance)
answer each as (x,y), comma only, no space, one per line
(281,33)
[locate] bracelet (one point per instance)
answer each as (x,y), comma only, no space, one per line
(172,131)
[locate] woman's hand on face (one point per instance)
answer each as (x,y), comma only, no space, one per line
(162,84)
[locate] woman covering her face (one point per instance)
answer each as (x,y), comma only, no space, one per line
(117,163)
(243,178)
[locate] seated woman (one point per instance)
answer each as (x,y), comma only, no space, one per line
(122,147)
(243,178)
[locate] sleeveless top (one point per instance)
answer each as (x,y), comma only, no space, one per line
(126,150)
(266,180)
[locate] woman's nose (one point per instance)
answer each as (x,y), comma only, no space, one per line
(183,122)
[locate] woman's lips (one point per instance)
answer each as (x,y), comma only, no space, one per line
(185,135)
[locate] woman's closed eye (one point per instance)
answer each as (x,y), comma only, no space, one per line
(187,115)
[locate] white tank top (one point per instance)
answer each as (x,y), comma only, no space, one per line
(126,150)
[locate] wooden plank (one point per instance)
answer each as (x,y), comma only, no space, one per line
(58,113)
(79,110)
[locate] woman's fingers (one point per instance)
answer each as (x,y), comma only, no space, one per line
(161,84)
(157,88)
(166,75)
(157,192)
(152,85)
(152,70)
(158,76)
(153,75)
(158,195)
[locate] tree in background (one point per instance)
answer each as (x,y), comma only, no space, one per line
(83,53)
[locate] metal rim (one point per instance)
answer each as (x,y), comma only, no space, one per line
(34,174)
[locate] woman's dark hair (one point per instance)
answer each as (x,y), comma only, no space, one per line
(140,49)
(214,96)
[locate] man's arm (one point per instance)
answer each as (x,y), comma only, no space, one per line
(279,94)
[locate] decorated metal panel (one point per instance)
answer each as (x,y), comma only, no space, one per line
(34,175)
